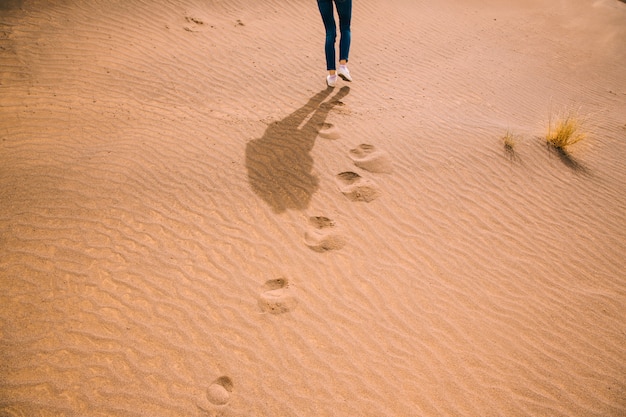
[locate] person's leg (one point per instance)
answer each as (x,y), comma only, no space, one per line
(344,10)
(326,10)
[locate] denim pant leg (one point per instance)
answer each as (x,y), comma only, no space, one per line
(344,10)
(328,17)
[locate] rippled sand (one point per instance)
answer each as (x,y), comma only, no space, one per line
(191,224)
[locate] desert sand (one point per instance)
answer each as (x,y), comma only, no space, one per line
(192,224)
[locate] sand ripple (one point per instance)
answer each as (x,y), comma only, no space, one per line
(171,174)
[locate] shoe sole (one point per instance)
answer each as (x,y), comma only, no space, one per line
(343,77)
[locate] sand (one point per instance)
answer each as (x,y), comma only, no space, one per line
(191,224)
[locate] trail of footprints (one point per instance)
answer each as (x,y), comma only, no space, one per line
(369,158)
(277,295)
(322,233)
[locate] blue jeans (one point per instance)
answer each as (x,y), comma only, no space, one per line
(344,10)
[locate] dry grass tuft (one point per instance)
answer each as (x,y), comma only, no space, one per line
(509,141)
(564,133)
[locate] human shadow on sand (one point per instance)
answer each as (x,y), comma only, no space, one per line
(10,4)
(279,164)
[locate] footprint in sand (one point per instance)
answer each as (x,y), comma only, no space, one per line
(219,391)
(322,236)
(357,188)
(371,159)
(328,131)
(194,23)
(278,297)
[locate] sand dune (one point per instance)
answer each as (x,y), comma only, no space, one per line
(191,224)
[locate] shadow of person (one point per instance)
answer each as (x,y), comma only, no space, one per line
(10,4)
(279,164)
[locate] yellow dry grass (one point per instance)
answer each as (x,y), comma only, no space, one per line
(564,132)
(509,141)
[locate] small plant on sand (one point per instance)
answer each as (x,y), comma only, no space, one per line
(564,133)
(509,142)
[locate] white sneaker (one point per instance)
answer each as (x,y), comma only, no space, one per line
(331,80)
(344,73)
